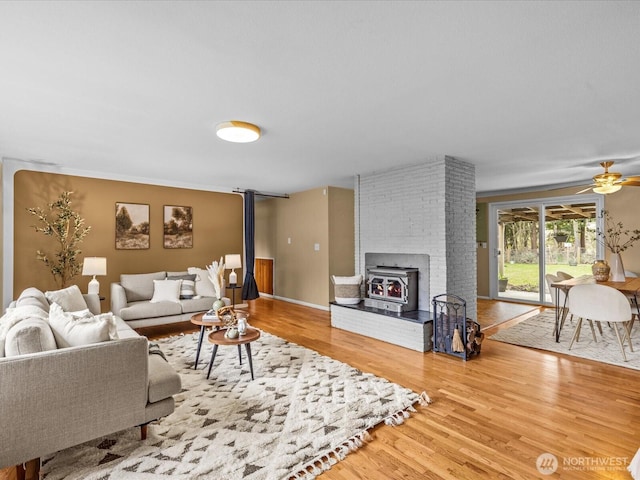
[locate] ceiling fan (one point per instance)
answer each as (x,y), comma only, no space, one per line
(610,182)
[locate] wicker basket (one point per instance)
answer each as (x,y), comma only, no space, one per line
(346,290)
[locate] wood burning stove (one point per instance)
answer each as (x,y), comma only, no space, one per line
(392,288)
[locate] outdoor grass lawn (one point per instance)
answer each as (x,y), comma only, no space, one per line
(527,273)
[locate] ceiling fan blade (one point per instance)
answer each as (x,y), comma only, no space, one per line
(585,190)
(631,181)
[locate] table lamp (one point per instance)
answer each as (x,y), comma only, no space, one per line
(233,261)
(94,266)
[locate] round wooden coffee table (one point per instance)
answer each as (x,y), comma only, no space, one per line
(198,320)
(218,338)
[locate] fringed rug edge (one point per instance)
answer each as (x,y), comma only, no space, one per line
(328,459)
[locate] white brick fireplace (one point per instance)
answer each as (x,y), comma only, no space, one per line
(429,209)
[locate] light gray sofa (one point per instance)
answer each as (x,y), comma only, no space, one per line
(131,299)
(53,398)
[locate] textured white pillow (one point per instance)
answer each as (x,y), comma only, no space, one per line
(80,328)
(166,291)
(29,336)
(204,286)
(70,298)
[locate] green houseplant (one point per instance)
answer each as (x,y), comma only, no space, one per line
(67,230)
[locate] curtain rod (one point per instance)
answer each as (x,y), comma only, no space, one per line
(263,194)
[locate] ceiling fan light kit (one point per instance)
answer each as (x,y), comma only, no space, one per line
(610,182)
(237,131)
(606,189)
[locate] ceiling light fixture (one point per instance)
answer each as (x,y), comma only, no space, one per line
(237,131)
(606,189)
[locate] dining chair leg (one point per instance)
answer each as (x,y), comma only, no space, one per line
(576,333)
(627,329)
(620,342)
(593,331)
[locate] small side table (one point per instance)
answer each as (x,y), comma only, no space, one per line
(198,320)
(217,338)
(233,289)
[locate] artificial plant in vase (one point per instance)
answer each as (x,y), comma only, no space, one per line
(617,239)
(67,230)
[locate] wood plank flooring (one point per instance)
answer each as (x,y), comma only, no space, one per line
(491,416)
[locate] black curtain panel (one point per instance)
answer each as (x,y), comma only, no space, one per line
(249,287)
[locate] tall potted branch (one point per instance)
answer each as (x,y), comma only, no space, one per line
(68,230)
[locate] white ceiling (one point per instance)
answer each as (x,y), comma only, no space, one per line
(532,93)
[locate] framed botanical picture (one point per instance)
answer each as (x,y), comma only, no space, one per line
(178,227)
(132,226)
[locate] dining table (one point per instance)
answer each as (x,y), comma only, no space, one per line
(630,287)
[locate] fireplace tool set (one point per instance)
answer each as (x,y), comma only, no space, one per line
(453,332)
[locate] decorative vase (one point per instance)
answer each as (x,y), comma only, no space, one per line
(600,269)
(242,326)
(231,333)
(218,304)
(617,269)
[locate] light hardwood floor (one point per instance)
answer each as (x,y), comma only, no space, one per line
(491,416)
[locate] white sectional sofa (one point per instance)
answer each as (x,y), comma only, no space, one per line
(67,378)
(142,300)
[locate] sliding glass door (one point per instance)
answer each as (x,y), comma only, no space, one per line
(530,239)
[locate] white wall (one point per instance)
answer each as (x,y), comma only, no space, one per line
(426,208)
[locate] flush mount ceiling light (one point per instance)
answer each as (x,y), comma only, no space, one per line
(237,131)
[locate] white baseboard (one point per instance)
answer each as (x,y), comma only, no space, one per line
(306,304)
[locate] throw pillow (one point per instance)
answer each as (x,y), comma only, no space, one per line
(188,286)
(166,291)
(204,286)
(70,298)
(80,328)
(31,335)
(33,296)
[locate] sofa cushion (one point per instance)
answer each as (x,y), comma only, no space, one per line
(138,310)
(33,296)
(166,291)
(199,304)
(29,336)
(139,286)
(204,286)
(188,285)
(80,328)
(70,298)
(163,379)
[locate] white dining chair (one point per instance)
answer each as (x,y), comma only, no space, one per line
(600,303)
(563,275)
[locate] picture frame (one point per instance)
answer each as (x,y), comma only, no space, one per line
(178,226)
(132,226)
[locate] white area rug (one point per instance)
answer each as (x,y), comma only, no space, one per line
(537,332)
(301,414)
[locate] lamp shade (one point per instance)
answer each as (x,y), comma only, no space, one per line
(237,131)
(232,260)
(94,266)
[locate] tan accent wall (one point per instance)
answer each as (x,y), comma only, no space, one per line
(341,234)
(622,206)
(322,216)
(217,227)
